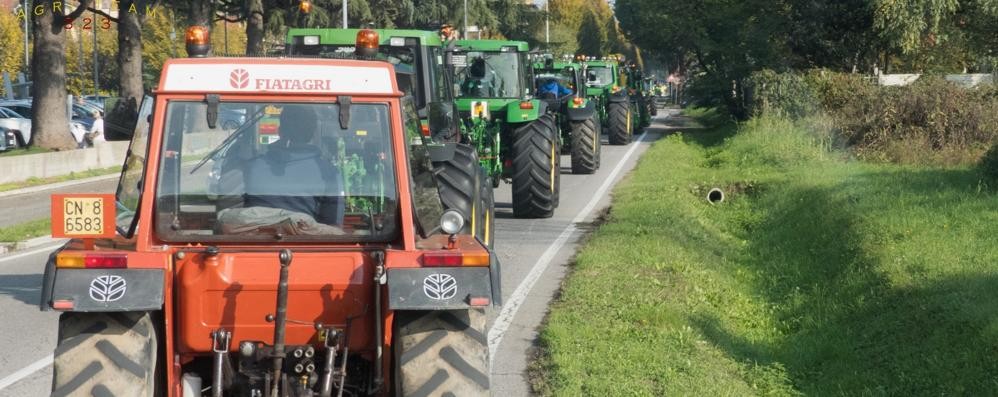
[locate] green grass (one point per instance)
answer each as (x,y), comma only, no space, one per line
(62,178)
(816,276)
(26,230)
(24,151)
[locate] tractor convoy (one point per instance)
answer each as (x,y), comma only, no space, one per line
(339,240)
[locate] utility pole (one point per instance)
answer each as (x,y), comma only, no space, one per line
(344,14)
(465,19)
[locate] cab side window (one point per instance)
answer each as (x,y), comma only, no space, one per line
(425,198)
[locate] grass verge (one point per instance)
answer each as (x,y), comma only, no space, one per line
(62,178)
(816,276)
(24,151)
(25,231)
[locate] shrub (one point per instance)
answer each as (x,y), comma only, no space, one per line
(929,122)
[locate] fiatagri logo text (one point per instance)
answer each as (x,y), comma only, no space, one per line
(240,79)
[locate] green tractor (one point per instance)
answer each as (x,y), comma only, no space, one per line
(634,81)
(515,135)
(418,57)
(612,103)
(575,114)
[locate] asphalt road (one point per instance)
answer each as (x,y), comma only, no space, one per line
(534,255)
(24,207)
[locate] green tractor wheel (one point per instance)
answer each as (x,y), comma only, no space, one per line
(619,114)
(536,172)
(460,182)
(645,111)
(585,146)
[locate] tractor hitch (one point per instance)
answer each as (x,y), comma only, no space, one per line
(280,322)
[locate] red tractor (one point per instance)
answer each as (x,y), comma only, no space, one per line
(231,263)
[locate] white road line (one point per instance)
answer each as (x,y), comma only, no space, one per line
(25,372)
(48,247)
(512,305)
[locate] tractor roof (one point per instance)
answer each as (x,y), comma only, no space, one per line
(349,36)
(278,76)
(601,64)
(492,45)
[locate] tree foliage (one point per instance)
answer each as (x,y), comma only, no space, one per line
(11,45)
(726,41)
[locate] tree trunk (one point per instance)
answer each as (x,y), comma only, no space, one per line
(254,27)
(120,120)
(49,120)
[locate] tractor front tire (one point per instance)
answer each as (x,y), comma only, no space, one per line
(441,353)
(585,146)
(106,354)
(459,182)
(536,169)
(619,114)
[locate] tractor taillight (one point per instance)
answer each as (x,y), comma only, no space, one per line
(80,260)
(425,129)
(454,258)
(577,101)
(526,105)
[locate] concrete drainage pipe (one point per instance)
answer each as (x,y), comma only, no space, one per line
(715,195)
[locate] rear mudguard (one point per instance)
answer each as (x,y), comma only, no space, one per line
(443,288)
(102,290)
(516,114)
(583,113)
(440,152)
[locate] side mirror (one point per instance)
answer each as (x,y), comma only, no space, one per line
(441,118)
(123,117)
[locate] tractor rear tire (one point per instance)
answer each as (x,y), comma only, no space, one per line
(585,146)
(106,354)
(536,169)
(620,116)
(459,182)
(441,353)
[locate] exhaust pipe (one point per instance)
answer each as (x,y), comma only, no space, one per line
(715,196)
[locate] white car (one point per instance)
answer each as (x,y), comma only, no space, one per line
(16,123)
(16,116)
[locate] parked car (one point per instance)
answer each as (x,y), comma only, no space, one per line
(17,125)
(231,119)
(96,99)
(8,140)
(82,118)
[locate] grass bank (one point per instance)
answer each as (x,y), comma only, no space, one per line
(25,231)
(816,276)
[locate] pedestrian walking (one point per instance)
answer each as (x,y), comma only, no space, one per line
(96,133)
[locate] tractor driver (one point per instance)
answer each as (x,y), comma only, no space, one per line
(481,82)
(551,88)
(292,175)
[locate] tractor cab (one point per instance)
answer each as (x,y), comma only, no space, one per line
(560,82)
(418,58)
